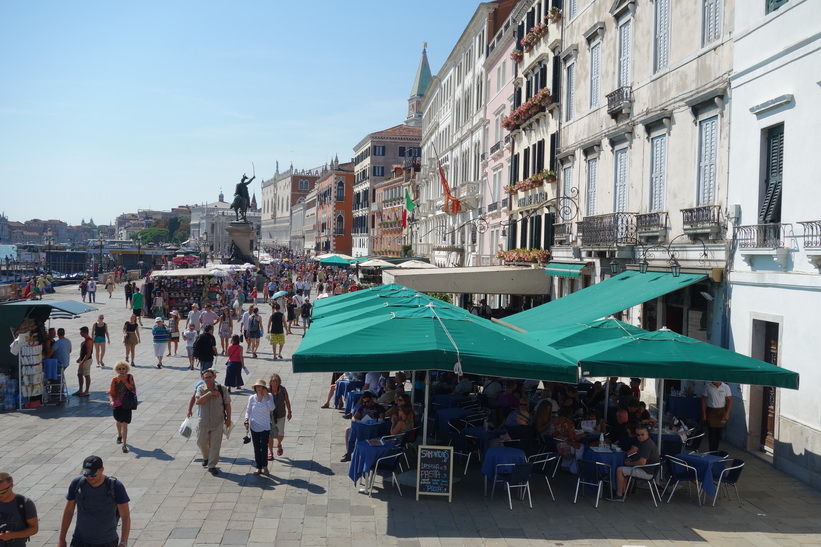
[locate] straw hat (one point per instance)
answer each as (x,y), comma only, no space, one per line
(260,383)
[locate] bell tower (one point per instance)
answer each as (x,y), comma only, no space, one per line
(418,90)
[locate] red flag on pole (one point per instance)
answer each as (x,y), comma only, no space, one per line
(452,205)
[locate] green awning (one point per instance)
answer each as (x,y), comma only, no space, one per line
(572,270)
(612,295)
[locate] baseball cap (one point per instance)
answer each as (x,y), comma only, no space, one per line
(92,464)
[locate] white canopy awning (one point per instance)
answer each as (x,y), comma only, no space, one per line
(475,280)
(183,272)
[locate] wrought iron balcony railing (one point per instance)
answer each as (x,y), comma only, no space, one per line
(562,232)
(496,147)
(761,236)
(704,216)
(812,233)
(620,100)
(609,229)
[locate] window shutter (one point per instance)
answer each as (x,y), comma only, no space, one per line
(543,77)
(511,234)
(524,234)
(662,33)
(771,206)
(520,33)
(592,181)
(540,155)
(712,21)
(658,166)
(571,9)
(554,144)
(570,85)
(548,230)
(531,18)
(536,232)
(708,134)
(625,40)
(526,163)
(557,77)
(595,70)
(620,193)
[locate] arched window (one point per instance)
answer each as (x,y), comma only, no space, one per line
(340,225)
(340,191)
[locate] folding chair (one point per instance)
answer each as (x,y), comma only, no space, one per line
(592,474)
(693,441)
(679,471)
(545,465)
(514,475)
(653,470)
(729,477)
(386,467)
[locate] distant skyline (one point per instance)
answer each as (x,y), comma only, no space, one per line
(108,108)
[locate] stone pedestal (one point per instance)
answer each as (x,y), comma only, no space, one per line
(242,235)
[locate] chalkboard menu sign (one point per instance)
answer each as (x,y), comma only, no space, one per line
(435,474)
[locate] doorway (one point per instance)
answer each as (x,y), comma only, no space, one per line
(770,351)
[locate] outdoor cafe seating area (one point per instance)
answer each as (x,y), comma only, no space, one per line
(514,460)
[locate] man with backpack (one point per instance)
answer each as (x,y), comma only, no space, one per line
(307,308)
(18,515)
(100,501)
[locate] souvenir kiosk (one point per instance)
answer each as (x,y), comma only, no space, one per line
(188,286)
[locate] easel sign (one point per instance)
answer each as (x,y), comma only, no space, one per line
(434,476)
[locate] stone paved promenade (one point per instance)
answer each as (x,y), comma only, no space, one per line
(309,499)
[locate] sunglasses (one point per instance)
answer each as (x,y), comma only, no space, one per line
(2,492)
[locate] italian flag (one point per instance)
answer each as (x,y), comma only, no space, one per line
(409,207)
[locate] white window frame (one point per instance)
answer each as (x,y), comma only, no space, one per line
(496,184)
(571,9)
(595,74)
(658,172)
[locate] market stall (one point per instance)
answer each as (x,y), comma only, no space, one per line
(184,287)
(25,379)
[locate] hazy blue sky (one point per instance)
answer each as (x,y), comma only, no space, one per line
(107,107)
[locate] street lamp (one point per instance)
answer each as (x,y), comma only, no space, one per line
(100,237)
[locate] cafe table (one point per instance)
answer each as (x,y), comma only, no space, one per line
(483,436)
(362,432)
(500,455)
(605,455)
(444,415)
(671,443)
(365,456)
(449,400)
(684,407)
(708,468)
(343,387)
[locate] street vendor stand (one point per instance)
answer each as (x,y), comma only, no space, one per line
(188,286)
(26,381)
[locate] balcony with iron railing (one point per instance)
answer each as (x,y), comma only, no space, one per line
(705,219)
(620,101)
(492,207)
(652,225)
(812,241)
(609,229)
(563,232)
(763,240)
(495,148)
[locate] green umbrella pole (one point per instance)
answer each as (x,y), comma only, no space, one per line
(661,412)
(427,405)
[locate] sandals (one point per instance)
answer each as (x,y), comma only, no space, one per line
(258,472)
(325,406)
(279,450)
(270,455)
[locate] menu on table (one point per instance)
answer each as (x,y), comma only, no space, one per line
(434,477)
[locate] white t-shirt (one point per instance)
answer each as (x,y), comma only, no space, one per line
(194,319)
(717,396)
(244,320)
(372,381)
(92,285)
(189,336)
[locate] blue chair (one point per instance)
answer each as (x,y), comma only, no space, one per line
(513,475)
(679,471)
(719,453)
(729,477)
(545,465)
(465,446)
(592,474)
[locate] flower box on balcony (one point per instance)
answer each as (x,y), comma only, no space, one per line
(529,109)
(534,181)
(524,255)
(517,55)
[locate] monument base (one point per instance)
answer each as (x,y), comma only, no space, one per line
(242,248)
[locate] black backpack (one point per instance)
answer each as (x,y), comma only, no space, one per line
(78,492)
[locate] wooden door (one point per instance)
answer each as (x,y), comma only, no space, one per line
(769,393)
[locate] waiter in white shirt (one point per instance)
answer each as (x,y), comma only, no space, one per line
(716,403)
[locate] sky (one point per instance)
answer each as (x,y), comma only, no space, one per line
(110,107)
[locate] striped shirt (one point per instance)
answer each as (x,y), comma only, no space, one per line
(258,413)
(160,334)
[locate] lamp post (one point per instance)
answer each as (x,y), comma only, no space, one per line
(204,253)
(100,237)
(139,254)
(49,238)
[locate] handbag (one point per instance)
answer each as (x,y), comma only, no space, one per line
(129,401)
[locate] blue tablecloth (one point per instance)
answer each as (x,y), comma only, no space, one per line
(707,467)
(364,457)
(350,400)
(444,415)
(449,400)
(500,454)
(363,432)
(343,387)
(685,407)
(613,459)
(670,442)
(484,436)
